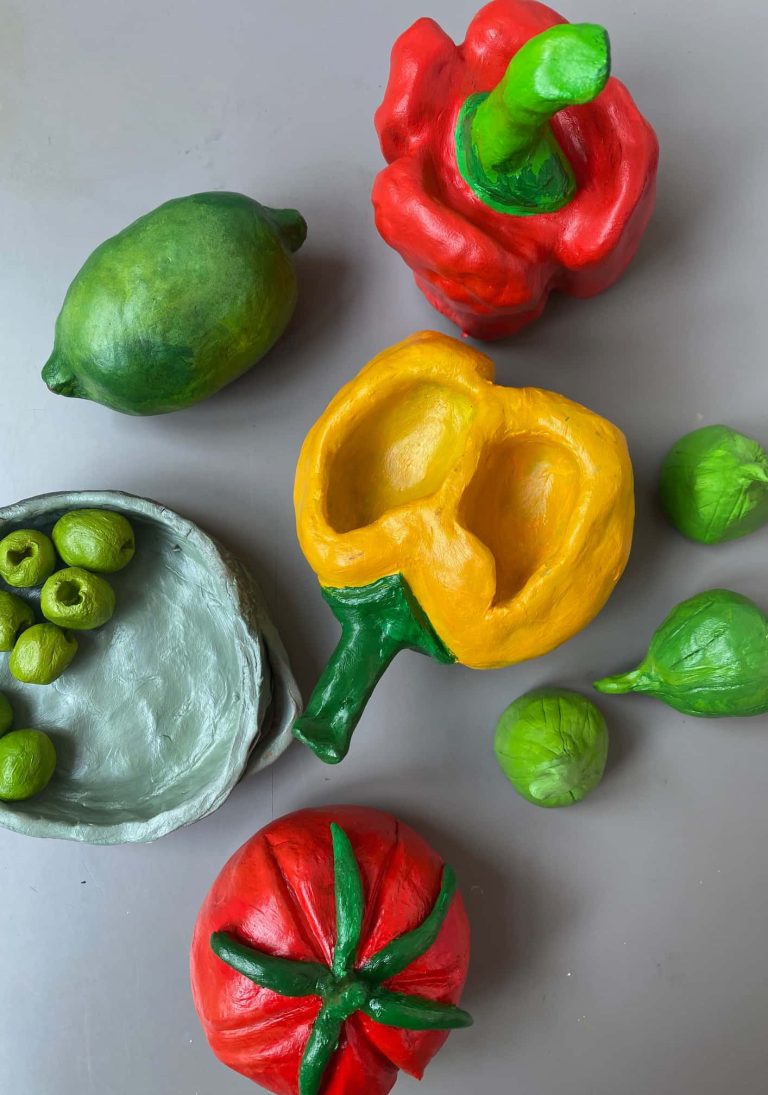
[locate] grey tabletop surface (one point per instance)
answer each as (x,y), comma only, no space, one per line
(618,945)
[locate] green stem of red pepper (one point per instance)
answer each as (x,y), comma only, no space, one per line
(345,989)
(506,148)
(377,622)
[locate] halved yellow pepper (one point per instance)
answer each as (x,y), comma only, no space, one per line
(444,513)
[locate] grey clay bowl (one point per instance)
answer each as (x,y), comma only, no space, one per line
(164,709)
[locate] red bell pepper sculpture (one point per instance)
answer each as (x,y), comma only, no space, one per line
(331,952)
(517,166)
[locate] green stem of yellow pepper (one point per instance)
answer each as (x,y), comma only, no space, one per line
(377,622)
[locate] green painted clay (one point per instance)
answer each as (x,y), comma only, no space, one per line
(41,654)
(97,539)
(178,304)
(377,621)
(27,762)
(15,616)
(714,485)
(552,746)
(164,711)
(76,599)
(27,558)
(6,714)
(506,149)
(708,658)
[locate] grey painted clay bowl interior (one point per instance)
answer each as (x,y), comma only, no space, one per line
(164,709)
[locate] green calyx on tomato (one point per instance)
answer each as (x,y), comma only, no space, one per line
(343,987)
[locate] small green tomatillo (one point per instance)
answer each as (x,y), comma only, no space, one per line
(714,485)
(552,745)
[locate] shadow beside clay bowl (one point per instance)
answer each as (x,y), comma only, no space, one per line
(166,707)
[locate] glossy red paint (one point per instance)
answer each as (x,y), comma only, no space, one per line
(490,272)
(277,894)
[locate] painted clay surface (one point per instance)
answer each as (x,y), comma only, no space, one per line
(288,909)
(445,513)
(505,181)
(177,305)
(168,705)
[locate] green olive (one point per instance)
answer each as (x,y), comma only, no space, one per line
(15,616)
(27,762)
(97,539)
(552,746)
(27,558)
(6,714)
(77,599)
(42,654)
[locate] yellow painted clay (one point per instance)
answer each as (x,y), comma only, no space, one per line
(507,511)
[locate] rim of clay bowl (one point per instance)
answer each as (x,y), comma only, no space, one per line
(270,699)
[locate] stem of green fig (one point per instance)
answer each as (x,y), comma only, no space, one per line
(621,683)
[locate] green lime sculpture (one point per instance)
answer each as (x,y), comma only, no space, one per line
(708,658)
(27,762)
(177,305)
(77,599)
(552,745)
(97,539)
(714,485)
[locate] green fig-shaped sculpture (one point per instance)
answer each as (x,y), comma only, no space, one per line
(708,658)
(552,746)
(714,485)
(178,304)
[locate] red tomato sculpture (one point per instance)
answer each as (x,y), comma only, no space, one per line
(331,952)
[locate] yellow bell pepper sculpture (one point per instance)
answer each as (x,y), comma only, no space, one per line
(445,514)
